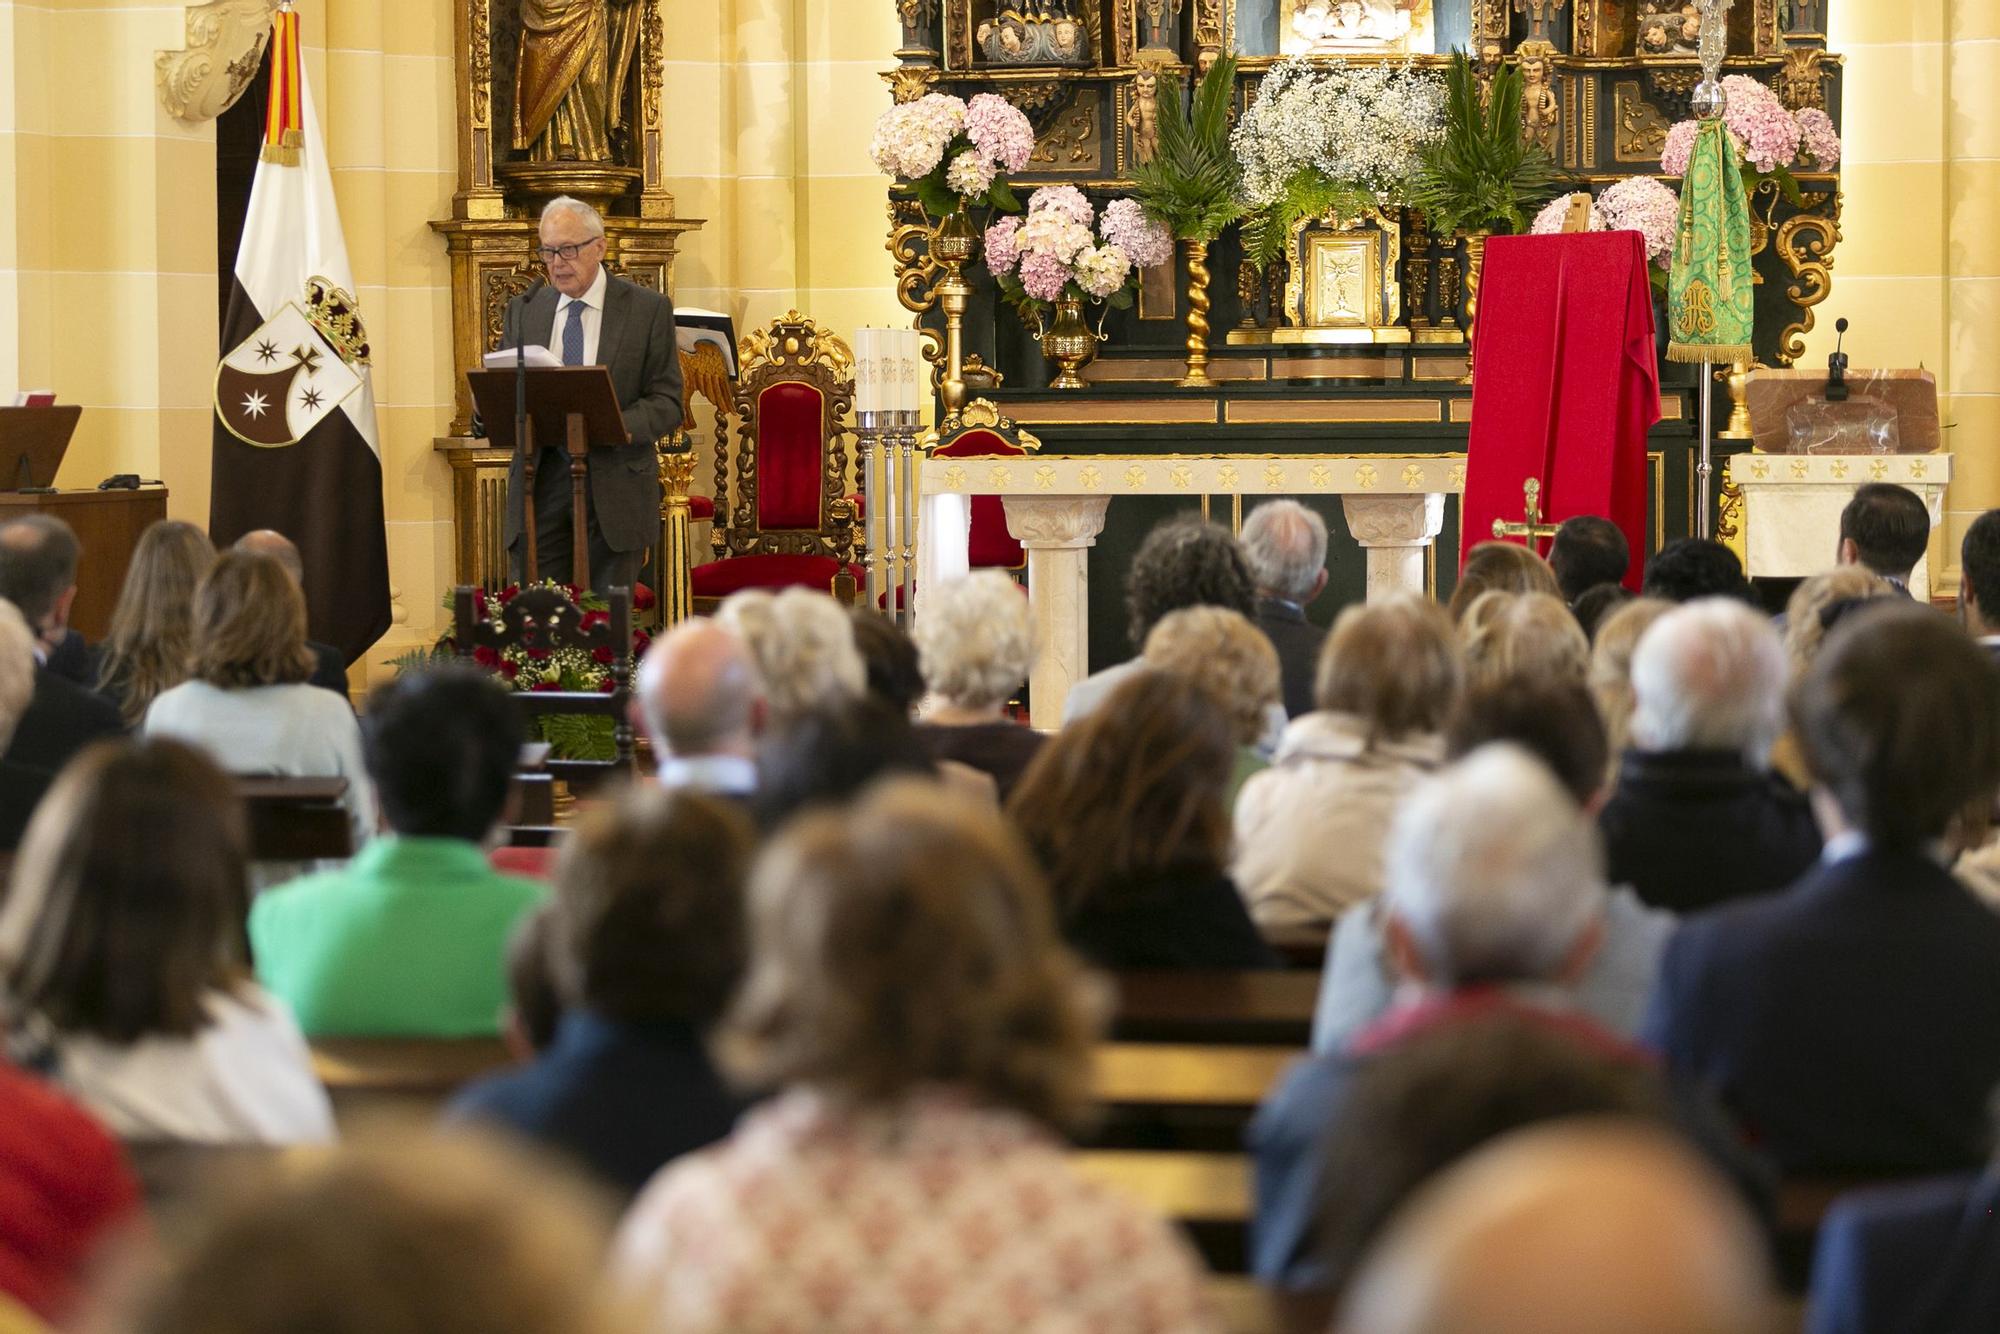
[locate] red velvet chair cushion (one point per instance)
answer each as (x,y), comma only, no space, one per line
(790,448)
(991,545)
(701,507)
(720,578)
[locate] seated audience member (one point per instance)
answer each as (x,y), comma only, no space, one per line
(65,1186)
(976,642)
(1284,548)
(703,706)
(452,1235)
(1501,567)
(1610,676)
(1495,899)
(1596,606)
(909,1173)
(248,703)
(1508,635)
(1696,818)
(133,871)
(1225,654)
(646,947)
(1185,561)
(1309,829)
(38,555)
(1917,1256)
(1588,552)
(1848,1022)
(534,1007)
(1556,724)
(1575,1228)
(1886,529)
(802,645)
(1979,581)
(894,670)
(409,938)
(329,663)
(150,648)
(1690,568)
(1818,604)
(1124,809)
(21,786)
(829,754)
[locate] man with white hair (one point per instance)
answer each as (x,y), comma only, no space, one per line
(1284,546)
(1696,818)
(703,707)
(1495,899)
(589,318)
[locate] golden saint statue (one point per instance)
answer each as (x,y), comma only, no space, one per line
(569,87)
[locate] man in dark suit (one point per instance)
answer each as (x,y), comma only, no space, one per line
(1284,546)
(589,318)
(1918,1257)
(1588,551)
(1886,528)
(21,787)
(702,705)
(1849,1022)
(38,556)
(1696,818)
(329,663)
(1979,581)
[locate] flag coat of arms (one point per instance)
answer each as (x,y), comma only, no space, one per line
(296,443)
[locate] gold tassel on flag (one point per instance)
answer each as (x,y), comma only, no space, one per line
(284,125)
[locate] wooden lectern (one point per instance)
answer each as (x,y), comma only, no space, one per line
(574,404)
(32,444)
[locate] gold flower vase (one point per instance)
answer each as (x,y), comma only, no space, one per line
(1070,343)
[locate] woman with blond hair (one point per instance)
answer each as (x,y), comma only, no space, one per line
(1224,653)
(1610,675)
(249,703)
(150,649)
(976,642)
(1505,567)
(1309,829)
(928,1038)
(1126,810)
(1510,636)
(1814,607)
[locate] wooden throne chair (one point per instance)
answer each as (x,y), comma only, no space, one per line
(792,521)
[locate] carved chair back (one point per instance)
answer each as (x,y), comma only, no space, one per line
(542,622)
(980,432)
(794,388)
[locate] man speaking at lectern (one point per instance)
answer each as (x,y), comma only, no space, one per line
(586,317)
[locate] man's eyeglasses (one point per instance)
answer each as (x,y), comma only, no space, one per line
(550,253)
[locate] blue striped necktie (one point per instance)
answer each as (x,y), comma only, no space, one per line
(572,354)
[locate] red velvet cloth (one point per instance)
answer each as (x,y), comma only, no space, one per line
(63,1182)
(527,863)
(720,578)
(1566,384)
(990,545)
(791,447)
(700,507)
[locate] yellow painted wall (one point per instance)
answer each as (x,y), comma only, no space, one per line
(1917,270)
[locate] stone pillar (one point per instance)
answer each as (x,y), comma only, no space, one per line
(1395,531)
(1058,533)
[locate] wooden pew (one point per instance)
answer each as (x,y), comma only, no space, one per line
(296,819)
(1250,1008)
(416,1075)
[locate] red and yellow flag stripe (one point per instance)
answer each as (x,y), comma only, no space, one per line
(284,123)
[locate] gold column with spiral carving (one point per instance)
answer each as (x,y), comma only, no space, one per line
(1198,307)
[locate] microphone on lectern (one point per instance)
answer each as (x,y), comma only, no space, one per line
(1836,366)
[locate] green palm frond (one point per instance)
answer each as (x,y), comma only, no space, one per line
(1483,175)
(1309,194)
(1190,185)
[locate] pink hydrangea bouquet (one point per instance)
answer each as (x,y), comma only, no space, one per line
(954,154)
(1642,204)
(1053,251)
(1770,138)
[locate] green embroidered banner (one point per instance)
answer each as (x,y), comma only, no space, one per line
(1711,293)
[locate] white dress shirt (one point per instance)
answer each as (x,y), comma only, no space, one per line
(593,318)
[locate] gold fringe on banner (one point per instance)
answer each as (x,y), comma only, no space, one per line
(1696,353)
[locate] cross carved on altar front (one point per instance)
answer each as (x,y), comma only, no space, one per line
(1533,530)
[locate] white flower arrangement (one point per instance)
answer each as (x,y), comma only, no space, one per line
(952,154)
(1362,126)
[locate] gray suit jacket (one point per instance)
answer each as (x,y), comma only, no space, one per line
(635,339)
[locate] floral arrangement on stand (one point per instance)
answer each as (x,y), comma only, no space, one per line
(1770,137)
(1643,204)
(1331,139)
(1051,258)
(952,154)
(570,670)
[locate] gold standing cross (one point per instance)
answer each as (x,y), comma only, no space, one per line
(1533,530)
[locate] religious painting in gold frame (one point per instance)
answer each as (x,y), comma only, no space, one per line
(1342,286)
(1356,27)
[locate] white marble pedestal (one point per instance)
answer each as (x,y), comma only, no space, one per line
(1792,505)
